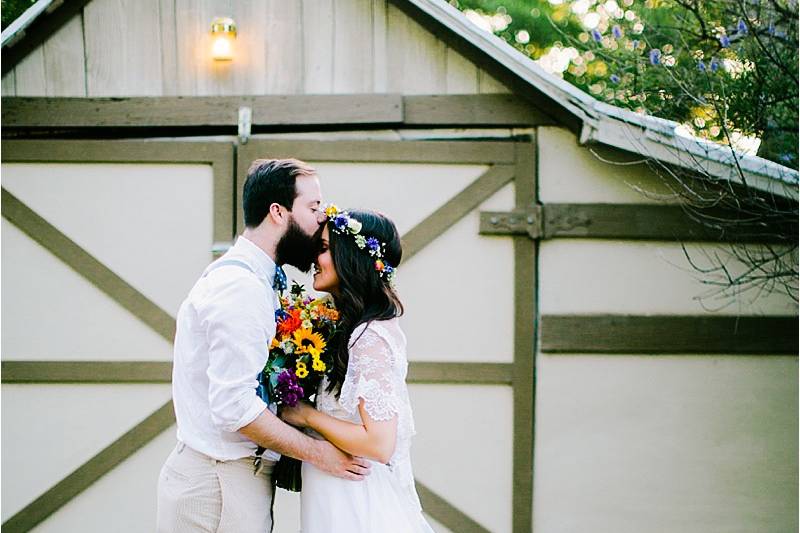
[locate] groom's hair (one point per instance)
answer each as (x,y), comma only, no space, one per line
(271,181)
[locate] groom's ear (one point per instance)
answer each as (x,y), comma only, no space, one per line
(277,213)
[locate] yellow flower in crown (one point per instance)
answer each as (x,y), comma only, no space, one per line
(305,338)
(331,210)
(274,343)
(301,371)
(318,365)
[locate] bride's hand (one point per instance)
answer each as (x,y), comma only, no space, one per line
(296,416)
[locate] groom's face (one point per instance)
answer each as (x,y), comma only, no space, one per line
(300,243)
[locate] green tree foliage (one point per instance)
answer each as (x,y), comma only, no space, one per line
(10,10)
(726,69)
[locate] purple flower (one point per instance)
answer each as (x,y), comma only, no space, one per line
(655,56)
(635,43)
(340,222)
(614,78)
(741,27)
(617,31)
(724,41)
(288,391)
(701,66)
(597,36)
(714,64)
(373,243)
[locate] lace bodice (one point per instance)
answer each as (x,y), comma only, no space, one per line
(376,373)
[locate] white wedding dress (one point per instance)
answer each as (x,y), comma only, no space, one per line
(386,501)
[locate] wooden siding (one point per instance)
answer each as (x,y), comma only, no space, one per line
(161,48)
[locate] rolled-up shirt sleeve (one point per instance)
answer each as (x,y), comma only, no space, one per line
(239,323)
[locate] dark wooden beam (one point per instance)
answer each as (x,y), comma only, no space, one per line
(460,373)
(20,114)
(628,221)
(79,260)
(446,513)
(161,372)
(500,110)
(456,152)
(219,155)
(525,334)
(162,111)
(86,371)
(500,153)
(455,209)
(620,334)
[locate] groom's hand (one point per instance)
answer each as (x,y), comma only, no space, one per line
(335,462)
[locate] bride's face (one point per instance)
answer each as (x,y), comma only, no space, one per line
(325,277)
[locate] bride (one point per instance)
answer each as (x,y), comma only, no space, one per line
(362,404)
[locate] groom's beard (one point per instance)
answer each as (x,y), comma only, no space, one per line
(297,248)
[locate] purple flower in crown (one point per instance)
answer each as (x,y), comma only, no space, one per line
(614,78)
(724,41)
(655,56)
(701,66)
(597,36)
(340,222)
(617,31)
(373,244)
(714,64)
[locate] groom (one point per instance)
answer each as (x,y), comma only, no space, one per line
(224,328)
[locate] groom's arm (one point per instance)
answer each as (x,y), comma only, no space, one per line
(236,319)
(270,432)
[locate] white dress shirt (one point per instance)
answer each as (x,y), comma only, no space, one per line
(224,328)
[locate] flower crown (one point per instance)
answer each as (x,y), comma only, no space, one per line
(345,224)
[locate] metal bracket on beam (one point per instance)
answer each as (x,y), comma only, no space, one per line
(245,122)
(527,222)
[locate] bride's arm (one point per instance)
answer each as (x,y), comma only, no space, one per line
(374,439)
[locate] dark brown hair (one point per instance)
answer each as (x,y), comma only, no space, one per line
(271,181)
(363,294)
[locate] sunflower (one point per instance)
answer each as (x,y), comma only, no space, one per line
(305,338)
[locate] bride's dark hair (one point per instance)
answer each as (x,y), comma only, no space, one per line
(363,295)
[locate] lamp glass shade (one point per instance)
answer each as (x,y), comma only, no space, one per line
(223,35)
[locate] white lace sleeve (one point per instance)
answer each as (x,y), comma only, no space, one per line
(371,377)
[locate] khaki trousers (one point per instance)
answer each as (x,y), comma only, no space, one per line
(197,493)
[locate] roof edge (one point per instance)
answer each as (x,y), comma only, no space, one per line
(618,127)
(16,30)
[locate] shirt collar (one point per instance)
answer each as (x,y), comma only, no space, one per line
(257,258)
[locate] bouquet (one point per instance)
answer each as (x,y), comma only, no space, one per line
(297,363)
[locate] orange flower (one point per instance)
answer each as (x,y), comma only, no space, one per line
(327,312)
(288,325)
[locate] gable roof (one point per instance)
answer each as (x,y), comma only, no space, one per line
(597,121)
